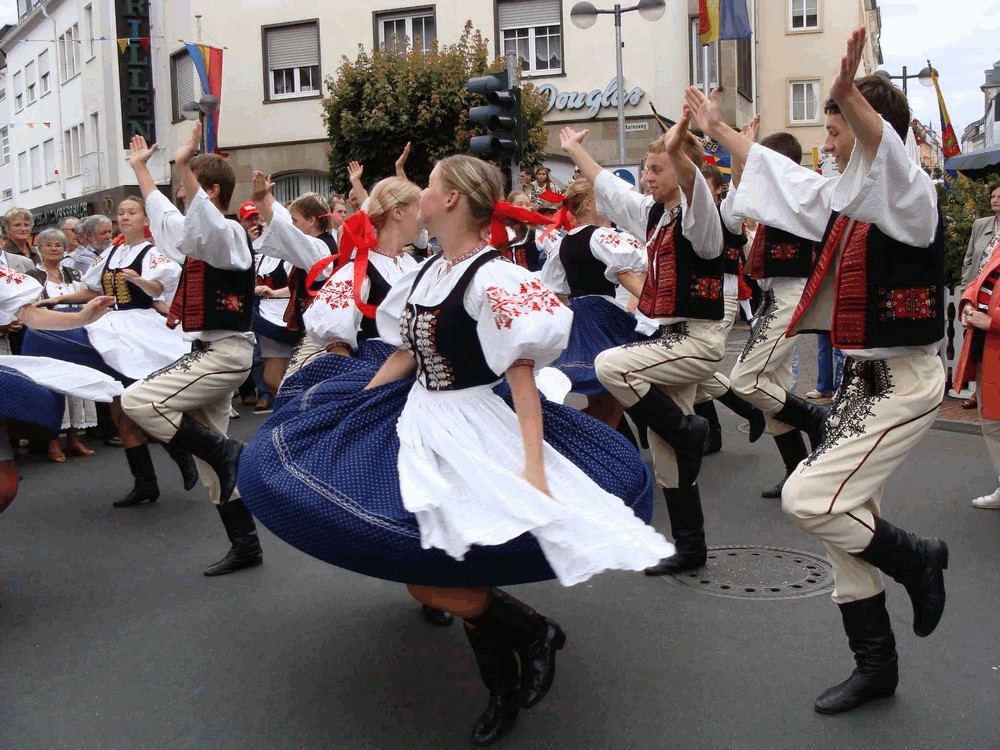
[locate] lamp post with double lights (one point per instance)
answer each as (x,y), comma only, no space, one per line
(584,15)
(924,76)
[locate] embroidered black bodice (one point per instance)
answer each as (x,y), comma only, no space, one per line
(442,338)
(127,296)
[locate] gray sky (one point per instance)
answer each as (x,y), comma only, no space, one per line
(959,36)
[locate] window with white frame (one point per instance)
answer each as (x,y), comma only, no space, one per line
(31,82)
(73,143)
(292,61)
(68,45)
(18,91)
(88,29)
(533,30)
(36,166)
(23,175)
(803,101)
(49,159)
(415,28)
(44,78)
(804,14)
(182,83)
(290,186)
(697,66)
(7,194)
(4,145)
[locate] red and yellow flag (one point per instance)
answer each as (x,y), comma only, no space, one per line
(949,143)
(723,19)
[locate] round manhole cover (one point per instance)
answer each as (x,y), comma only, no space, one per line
(751,572)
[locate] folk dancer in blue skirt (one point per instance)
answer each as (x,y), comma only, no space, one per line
(438,482)
(30,387)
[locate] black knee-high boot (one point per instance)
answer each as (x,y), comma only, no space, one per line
(214,448)
(870,637)
(917,563)
(745,409)
(245,551)
(685,434)
(793,451)
(706,410)
(185,462)
(500,673)
(535,638)
(145,489)
(802,415)
(687,524)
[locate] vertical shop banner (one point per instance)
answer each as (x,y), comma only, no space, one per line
(135,70)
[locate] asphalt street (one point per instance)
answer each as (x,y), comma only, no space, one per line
(110,637)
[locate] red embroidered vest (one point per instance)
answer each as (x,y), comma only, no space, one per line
(778,253)
(680,284)
(887,293)
(210,299)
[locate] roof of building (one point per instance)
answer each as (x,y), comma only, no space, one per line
(993,75)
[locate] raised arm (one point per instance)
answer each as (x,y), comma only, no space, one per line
(139,155)
(354,172)
(571,142)
(863,119)
(401,161)
(684,169)
(262,196)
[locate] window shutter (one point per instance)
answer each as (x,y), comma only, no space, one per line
(520,14)
(184,75)
(292,47)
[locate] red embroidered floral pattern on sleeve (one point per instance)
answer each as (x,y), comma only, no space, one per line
(10,276)
(337,295)
(532,297)
(156,259)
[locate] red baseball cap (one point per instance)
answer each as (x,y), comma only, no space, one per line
(248,209)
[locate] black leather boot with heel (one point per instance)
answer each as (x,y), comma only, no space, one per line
(684,433)
(745,409)
(501,675)
(869,634)
(535,639)
(713,443)
(245,551)
(217,450)
(145,488)
(687,524)
(917,563)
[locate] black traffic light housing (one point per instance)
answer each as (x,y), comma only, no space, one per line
(502,116)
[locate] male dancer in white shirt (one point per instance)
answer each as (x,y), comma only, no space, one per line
(878,288)
(187,404)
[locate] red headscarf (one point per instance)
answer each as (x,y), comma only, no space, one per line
(358,234)
(504,210)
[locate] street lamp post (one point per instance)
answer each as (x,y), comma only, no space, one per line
(584,15)
(924,76)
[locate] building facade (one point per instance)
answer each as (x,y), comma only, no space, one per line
(82,75)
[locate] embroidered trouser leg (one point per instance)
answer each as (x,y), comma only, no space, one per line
(763,371)
(683,356)
(199,384)
(882,409)
(990,427)
(717,384)
(304,352)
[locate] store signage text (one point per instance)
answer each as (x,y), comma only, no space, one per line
(594,101)
(135,71)
(55,215)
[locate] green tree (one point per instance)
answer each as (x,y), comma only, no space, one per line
(964,201)
(381,100)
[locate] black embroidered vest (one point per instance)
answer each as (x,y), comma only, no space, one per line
(276,279)
(584,272)
(524,253)
(211,299)
(127,296)
(377,292)
(679,284)
(299,298)
(887,293)
(777,253)
(732,250)
(442,338)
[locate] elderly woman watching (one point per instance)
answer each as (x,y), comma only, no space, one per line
(56,280)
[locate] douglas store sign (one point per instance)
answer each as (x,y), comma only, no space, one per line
(593,101)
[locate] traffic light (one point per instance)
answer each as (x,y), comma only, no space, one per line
(502,116)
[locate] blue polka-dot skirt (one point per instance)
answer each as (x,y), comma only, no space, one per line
(408,485)
(598,324)
(23,399)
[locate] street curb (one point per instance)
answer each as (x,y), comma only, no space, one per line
(966,428)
